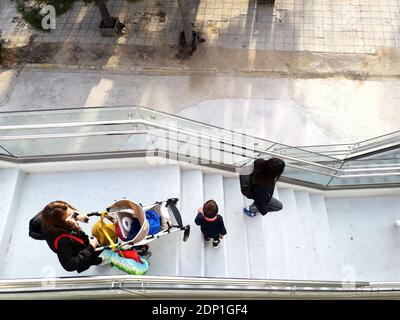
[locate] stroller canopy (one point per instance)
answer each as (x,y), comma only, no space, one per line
(124,212)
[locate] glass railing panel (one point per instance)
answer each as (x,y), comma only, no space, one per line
(213,155)
(213,151)
(79,130)
(5,152)
(372,163)
(203,151)
(204,130)
(370,181)
(383,155)
(305,174)
(369,172)
(303,154)
(68,115)
(338,152)
(384,141)
(81,145)
(138,142)
(237,138)
(178,136)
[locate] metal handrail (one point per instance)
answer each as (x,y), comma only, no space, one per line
(139,108)
(69,135)
(182,131)
(68,282)
(319,166)
(375,138)
(176,117)
(167,286)
(354,148)
(66,124)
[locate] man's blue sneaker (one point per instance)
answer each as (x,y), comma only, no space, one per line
(249,213)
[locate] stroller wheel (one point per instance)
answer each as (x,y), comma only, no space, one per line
(147,255)
(142,250)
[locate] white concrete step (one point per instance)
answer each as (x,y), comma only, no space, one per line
(191,252)
(236,239)
(165,257)
(257,249)
(11,181)
(275,239)
(322,233)
(297,263)
(309,234)
(215,258)
(89,191)
(365,237)
(353,236)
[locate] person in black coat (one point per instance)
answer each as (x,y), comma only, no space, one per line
(58,224)
(262,184)
(211,223)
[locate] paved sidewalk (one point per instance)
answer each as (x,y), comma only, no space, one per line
(7,81)
(333,26)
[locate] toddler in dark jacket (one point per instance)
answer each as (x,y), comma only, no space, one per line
(211,223)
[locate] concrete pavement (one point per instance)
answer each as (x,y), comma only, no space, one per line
(291,111)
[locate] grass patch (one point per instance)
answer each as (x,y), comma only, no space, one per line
(61,6)
(31,15)
(30,10)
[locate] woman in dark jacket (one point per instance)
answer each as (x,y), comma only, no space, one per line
(262,184)
(60,228)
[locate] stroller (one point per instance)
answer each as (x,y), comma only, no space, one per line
(131,227)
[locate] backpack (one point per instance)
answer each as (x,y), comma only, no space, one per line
(154,221)
(66,235)
(245,186)
(152,218)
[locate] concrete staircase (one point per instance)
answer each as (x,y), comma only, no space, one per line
(296,243)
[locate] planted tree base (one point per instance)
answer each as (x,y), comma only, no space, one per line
(117,29)
(266,2)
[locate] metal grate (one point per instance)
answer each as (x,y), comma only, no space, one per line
(266,2)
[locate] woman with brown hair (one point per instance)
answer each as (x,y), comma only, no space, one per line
(58,225)
(262,184)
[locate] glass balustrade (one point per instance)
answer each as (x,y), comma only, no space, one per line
(102,131)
